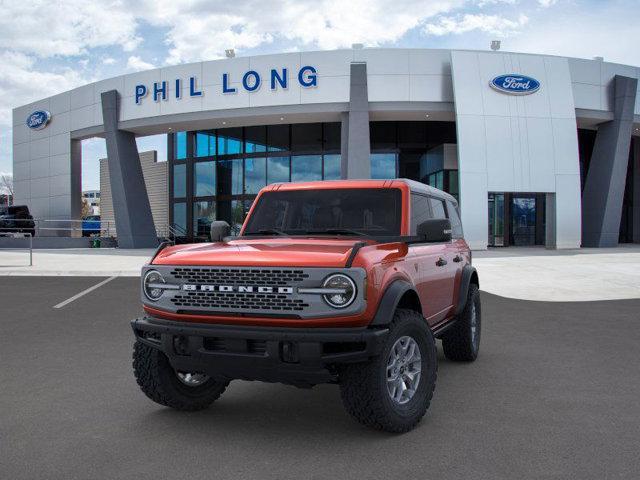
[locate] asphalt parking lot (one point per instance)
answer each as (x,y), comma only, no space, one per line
(555,393)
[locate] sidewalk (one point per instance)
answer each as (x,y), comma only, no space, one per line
(522,273)
(584,274)
(89,262)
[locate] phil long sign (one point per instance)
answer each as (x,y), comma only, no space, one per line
(250,81)
(515,84)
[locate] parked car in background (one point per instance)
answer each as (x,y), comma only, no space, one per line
(17,219)
(91,225)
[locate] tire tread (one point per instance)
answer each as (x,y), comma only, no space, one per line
(456,343)
(148,365)
(361,392)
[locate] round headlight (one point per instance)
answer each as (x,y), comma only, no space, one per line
(344,291)
(151,285)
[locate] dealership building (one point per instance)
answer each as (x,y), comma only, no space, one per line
(539,150)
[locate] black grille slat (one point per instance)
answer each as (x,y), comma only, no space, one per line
(236,276)
(257,301)
(238,301)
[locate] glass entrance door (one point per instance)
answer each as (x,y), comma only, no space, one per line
(496,220)
(523,220)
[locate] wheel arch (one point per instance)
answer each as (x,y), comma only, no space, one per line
(469,276)
(399,294)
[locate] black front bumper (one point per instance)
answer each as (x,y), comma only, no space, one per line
(298,356)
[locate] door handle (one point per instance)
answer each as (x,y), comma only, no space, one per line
(441,262)
(457,258)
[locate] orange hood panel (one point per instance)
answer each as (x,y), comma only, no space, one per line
(276,252)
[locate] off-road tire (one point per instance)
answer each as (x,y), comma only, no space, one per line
(363,386)
(159,381)
(459,344)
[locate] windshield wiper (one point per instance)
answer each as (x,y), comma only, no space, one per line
(267,231)
(338,231)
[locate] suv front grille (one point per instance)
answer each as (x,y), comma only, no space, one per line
(238,301)
(238,276)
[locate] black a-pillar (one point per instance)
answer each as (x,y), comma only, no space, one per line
(134,222)
(605,183)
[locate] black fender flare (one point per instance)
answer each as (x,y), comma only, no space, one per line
(389,302)
(469,273)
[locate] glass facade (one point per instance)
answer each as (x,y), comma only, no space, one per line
(399,150)
(216,174)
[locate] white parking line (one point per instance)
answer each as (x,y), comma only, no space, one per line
(84,292)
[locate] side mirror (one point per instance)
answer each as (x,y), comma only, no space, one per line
(436,230)
(219,230)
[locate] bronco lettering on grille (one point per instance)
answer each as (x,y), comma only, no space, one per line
(237,289)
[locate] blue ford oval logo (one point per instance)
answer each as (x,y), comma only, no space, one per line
(38,119)
(515,84)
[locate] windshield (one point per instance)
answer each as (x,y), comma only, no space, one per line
(354,211)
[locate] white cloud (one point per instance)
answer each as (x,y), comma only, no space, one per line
(587,37)
(135,63)
(21,83)
(4,187)
(40,39)
(484,3)
(46,28)
(491,24)
(325,24)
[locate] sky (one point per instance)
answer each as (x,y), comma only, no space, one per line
(48,47)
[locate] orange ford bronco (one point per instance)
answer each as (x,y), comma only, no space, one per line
(347,282)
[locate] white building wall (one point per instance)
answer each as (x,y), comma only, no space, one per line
(506,143)
(592,86)
(509,143)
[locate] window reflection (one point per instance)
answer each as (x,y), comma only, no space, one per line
(180,180)
(204,213)
(180,146)
(229,141)
(204,179)
(255,139)
(246,159)
(232,211)
(383,165)
(180,216)
(255,174)
(205,144)
(230,177)
(277,169)
(306,168)
(332,167)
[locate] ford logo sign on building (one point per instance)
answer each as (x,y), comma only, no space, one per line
(515,84)
(38,119)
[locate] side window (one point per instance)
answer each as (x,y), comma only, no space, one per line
(437,206)
(456,224)
(420,211)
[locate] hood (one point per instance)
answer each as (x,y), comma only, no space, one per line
(275,252)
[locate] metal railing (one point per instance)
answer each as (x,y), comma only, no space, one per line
(21,235)
(49,227)
(172,232)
